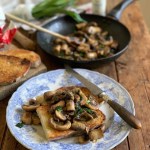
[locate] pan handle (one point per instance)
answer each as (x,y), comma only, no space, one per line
(117,11)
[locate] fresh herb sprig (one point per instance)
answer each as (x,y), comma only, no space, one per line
(59,108)
(49,8)
(20,124)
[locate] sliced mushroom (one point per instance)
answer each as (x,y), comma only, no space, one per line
(69,95)
(70,105)
(79,126)
(60,103)
(93,30)
(76,98)
(76,90)
(91,55)
(32,107)
(83,98)
(114,44)
(66,49)
(95,134)
(85,116)
(83,139)
(107,42)
(26,117)
(59,41)
(35,119)
(60,115)
(57,48)
(41,100)
(81,25)
(91,103)
(32,102)
(92,41)
(60,126)
(48,95)
(83,48)
(59,95)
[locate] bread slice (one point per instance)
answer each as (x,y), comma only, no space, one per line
(12,69)
(33,57)
(53,134)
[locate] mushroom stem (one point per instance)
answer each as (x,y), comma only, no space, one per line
(70,106)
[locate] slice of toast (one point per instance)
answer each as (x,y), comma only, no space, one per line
(33,57)
(53,134)
(12,69)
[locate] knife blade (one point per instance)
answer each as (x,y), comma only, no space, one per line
(120,110)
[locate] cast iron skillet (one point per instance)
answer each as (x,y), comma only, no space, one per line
(66,25)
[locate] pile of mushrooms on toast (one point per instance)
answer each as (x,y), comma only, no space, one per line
(69,109)
(94,43)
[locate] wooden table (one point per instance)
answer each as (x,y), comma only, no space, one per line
(132,70)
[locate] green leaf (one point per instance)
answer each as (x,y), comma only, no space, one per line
(88,110)
(78,111)
(88,101)
(20,124)
(75,16)
(50,7)
(59,108)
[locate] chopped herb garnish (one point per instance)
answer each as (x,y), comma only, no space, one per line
(101,46)
(78,111)
(20,124)
(59,108)
(81,54)
(88,110)
(88,101)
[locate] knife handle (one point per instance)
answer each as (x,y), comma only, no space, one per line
(122,112)
(125,114)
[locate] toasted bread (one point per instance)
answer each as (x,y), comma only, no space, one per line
(33,57)
(53,134)
(12,69)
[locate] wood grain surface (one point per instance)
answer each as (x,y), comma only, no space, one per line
(132,70)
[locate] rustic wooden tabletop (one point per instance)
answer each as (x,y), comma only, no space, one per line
(132,70)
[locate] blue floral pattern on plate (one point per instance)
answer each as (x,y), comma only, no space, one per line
(32,137)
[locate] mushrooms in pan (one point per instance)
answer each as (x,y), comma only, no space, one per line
(94,43)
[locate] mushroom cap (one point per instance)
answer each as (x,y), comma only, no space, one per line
(58,126)
(95,134)
(30,107)
(60,115)
(26,117)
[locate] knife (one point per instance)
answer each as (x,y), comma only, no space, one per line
(128,117)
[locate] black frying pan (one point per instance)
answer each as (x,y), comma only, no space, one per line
(66,25)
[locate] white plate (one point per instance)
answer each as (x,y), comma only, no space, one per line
(33,137)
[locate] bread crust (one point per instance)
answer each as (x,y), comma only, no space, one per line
(12,69)
(33,57)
